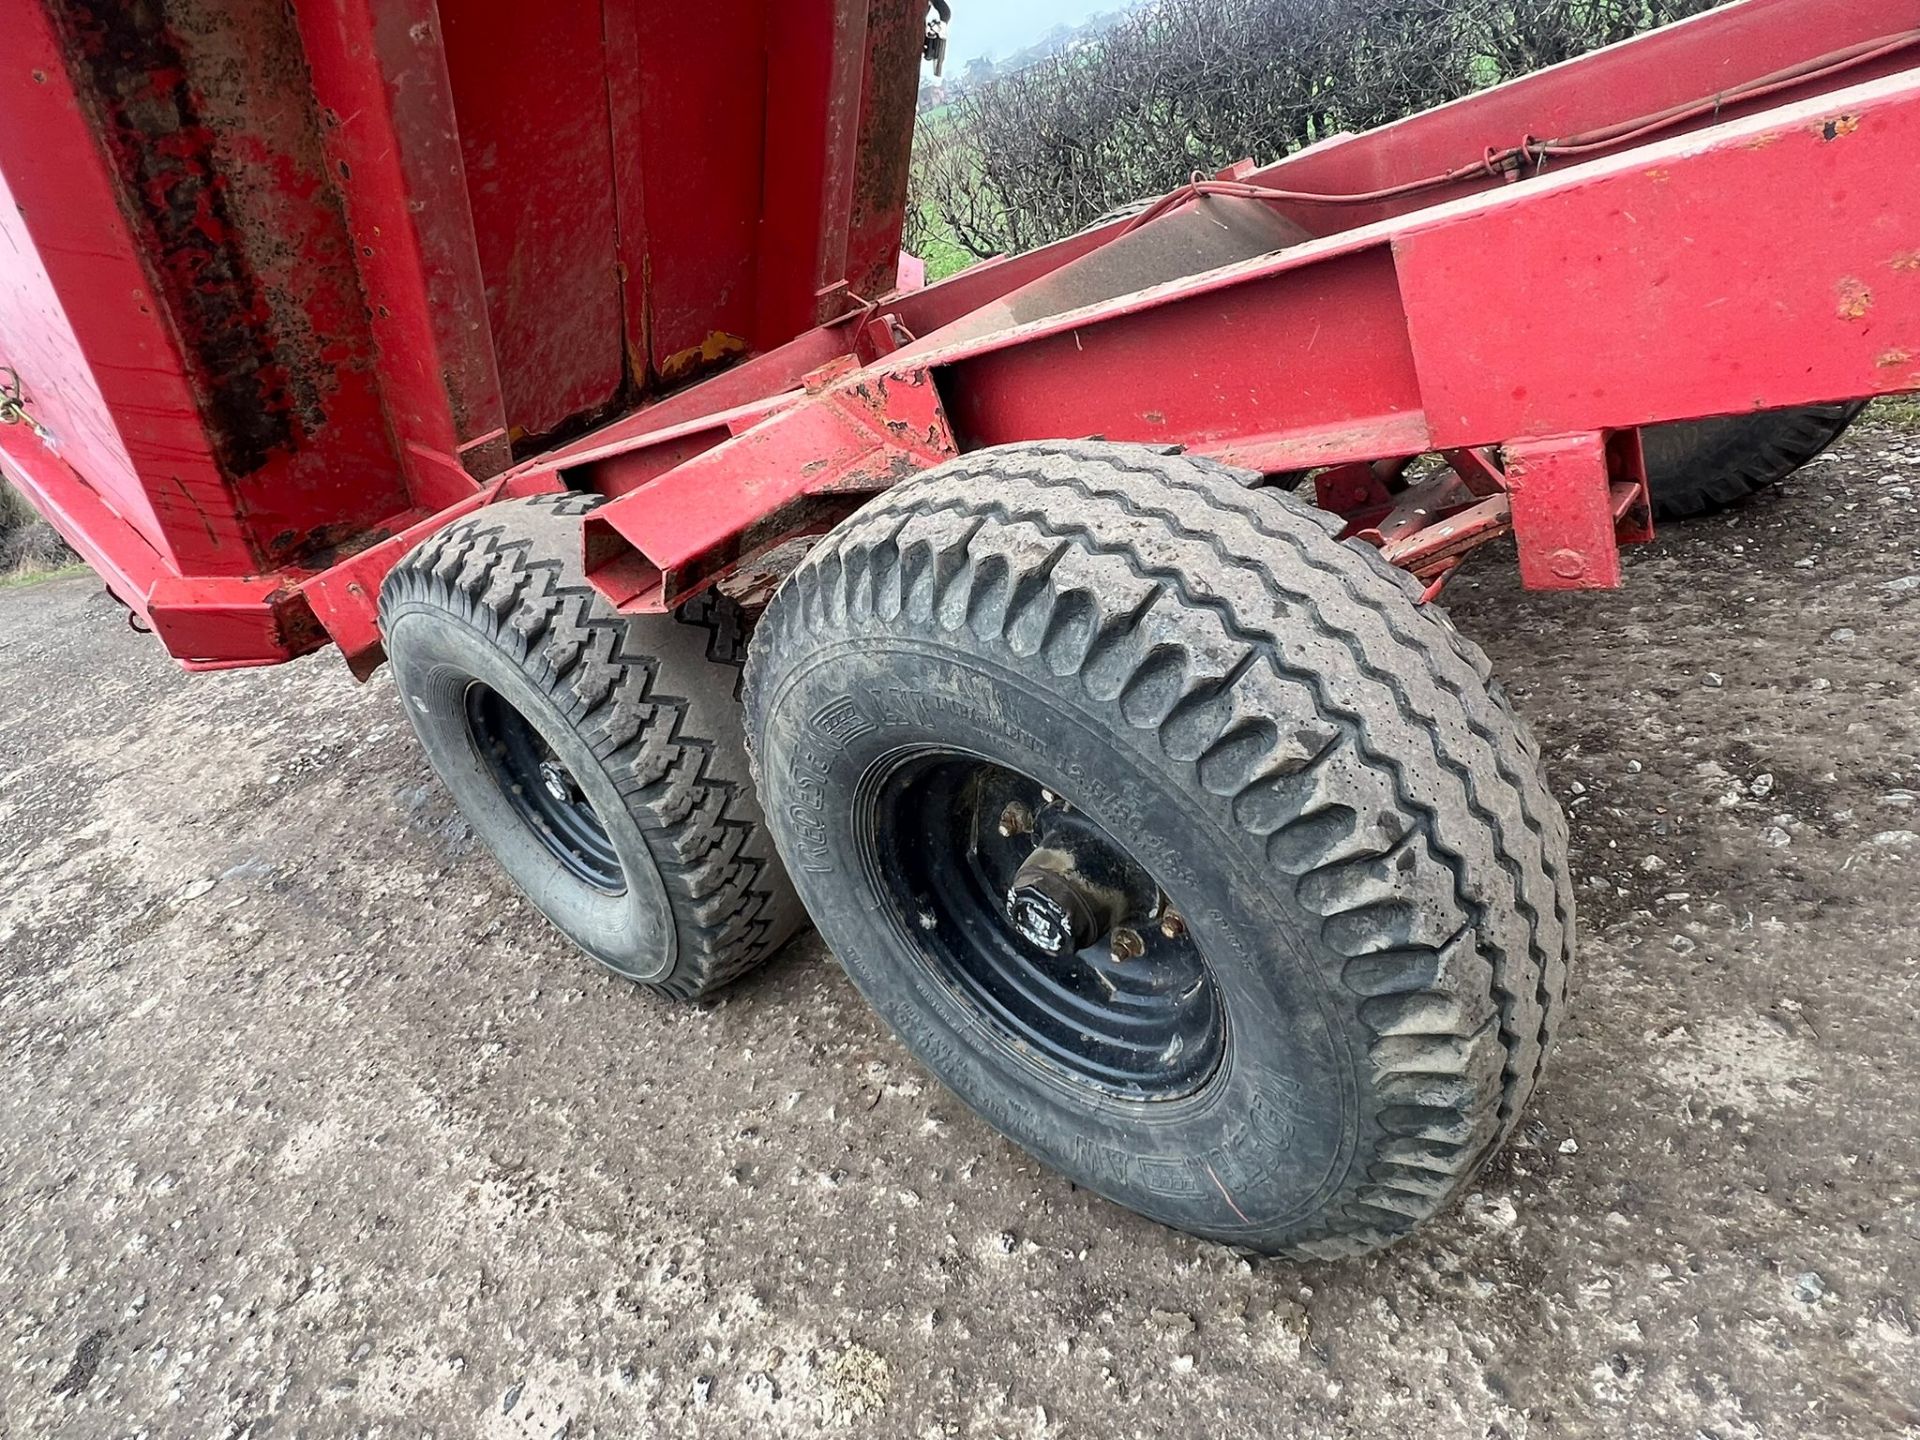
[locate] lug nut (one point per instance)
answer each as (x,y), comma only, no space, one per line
(1171,925)
(1016,819)
(1127,944)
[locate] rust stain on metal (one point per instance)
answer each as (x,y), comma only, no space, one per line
(1836,127)
(1155,417)
(817,381)
(1905,260)
(163,152)
(1761,142)
(717,347)
(1893,359)
(889,91)
(1659,176)
(1855,299)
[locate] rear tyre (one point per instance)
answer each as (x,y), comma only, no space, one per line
(1172,835)
(1698,466)
(599,757)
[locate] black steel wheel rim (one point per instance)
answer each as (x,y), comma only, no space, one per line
(1042,925)
(541,789)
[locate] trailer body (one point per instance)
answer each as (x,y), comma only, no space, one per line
(289,288)
(280,282)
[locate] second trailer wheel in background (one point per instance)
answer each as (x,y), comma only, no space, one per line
(1695,467)
(1171,834)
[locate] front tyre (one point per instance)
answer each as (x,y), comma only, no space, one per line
(599,757)
(1172,835)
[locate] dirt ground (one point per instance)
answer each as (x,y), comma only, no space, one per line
(312,1127)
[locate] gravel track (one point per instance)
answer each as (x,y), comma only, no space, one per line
(313,1128)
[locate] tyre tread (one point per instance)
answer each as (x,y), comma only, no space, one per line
(1777,442)
(1473,1000)
(731,900)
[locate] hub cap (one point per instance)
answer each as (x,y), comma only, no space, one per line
(1044,926)
(542,791)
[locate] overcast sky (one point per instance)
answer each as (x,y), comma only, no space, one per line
(999,27)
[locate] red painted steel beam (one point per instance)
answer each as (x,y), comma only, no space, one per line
(202,620)
(812,133)
(1714,51)
(652,549)
(344,599)
(1267,364)
(889,96)
(771,373)
(379,74)
(118,552)
(231,622)
(1561,496)
(626,465)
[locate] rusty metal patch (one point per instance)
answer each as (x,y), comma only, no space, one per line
(132,71)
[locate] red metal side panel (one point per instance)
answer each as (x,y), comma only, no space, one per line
(204,117)
(1672,65)
(328,468)
(174,503)
(700,132)
(38,343)
(656,189)
(530,93)
(1627,294)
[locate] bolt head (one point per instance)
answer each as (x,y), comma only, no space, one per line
(1127,944)
(558,783)
(1567,564)
(1172,925)
(1016,819)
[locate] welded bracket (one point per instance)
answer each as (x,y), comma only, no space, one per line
(796,472)
(1575,499)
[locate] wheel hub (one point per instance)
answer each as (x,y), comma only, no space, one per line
(536,783)
(1035,917)
(1053,909)
(558,783)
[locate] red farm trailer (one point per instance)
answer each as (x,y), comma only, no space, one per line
(1058,637)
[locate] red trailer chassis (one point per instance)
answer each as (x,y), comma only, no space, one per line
(263,351)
